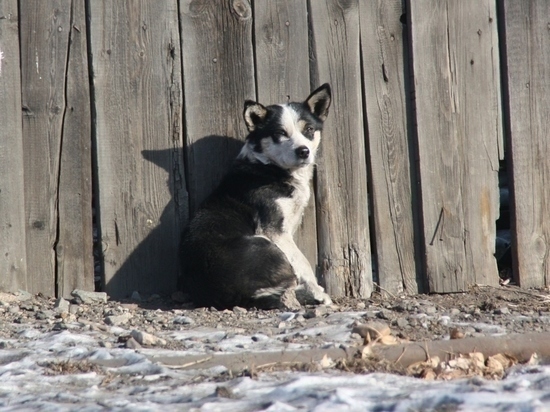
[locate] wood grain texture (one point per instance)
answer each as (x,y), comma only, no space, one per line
(382,41)
(456,80)
(527,45)
(282,73)
(13,263)
(44,28)
(138,103)
(218,68)
(342,208)
(73,249)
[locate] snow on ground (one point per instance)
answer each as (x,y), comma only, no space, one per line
(134,383)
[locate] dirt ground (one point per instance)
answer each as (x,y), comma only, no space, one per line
(482,311)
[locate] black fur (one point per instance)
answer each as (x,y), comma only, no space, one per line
(223,261)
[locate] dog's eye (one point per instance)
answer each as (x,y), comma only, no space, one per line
(310,129)
(281,133)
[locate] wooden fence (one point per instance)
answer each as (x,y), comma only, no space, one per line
(135,107)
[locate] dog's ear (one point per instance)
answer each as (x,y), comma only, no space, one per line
(318,101)
(254,114)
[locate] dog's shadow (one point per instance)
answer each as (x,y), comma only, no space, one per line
(193,173)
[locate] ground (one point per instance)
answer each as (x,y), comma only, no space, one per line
(482,311)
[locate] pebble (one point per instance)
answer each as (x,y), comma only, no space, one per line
(286,316)
(84,296)
(502,311)
(147,339)
(239,310)
(14,309)
(61,305)
(116,320)
(402,322)
(316,312)
(430,310)
(183,320)
(132,344)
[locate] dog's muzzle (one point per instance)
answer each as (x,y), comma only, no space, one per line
(302,152)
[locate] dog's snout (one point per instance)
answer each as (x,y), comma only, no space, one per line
(302,152)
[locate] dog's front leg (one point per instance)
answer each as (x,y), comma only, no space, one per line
(302,269)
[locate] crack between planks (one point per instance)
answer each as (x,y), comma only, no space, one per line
(56,246)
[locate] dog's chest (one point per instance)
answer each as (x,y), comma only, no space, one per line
(292,208)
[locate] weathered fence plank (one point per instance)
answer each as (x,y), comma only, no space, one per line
(75,268)
(45,28)
(218,68)
(382,41)
(457,90)
(342,205)
(137,89)
(282,73)
(527,78)
(13,263)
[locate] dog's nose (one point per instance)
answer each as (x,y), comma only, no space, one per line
(302,152)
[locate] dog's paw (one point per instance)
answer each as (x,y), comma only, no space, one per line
(312,294)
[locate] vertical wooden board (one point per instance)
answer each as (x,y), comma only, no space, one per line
(342,209)
(13,266)
(382,43)
(527,45)
(44,31)
(75,269)
(282,73)
(457,90)
(218,69)
(141,185)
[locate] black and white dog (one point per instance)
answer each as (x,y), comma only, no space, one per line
(238,249)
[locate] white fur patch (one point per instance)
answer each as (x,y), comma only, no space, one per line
(266,292)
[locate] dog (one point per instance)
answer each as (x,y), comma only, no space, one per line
(238,250)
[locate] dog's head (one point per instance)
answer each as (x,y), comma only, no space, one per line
(286,135)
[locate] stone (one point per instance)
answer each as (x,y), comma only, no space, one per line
(147,339)
(61,305)
(239,310)
(83,296)
(115,320)
(502,311)
(288,300)
(132,344)
(402,322)
(136,296)
(183,320)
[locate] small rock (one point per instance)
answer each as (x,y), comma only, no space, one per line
(430,310)
(456,334)
(183,320)
(59,326)
(14,309)
(132,344)
(136,296)
(502,311)
(144,338)
(61,305)
(83,296)
(73,309)
(384,314)
(288,300)
(44,314)
(361,305)
(402,322)
(115,320)
(287,316)
(239,310)
(23,295)
(105,344)
(129,306)
(316,312)
(455,312)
